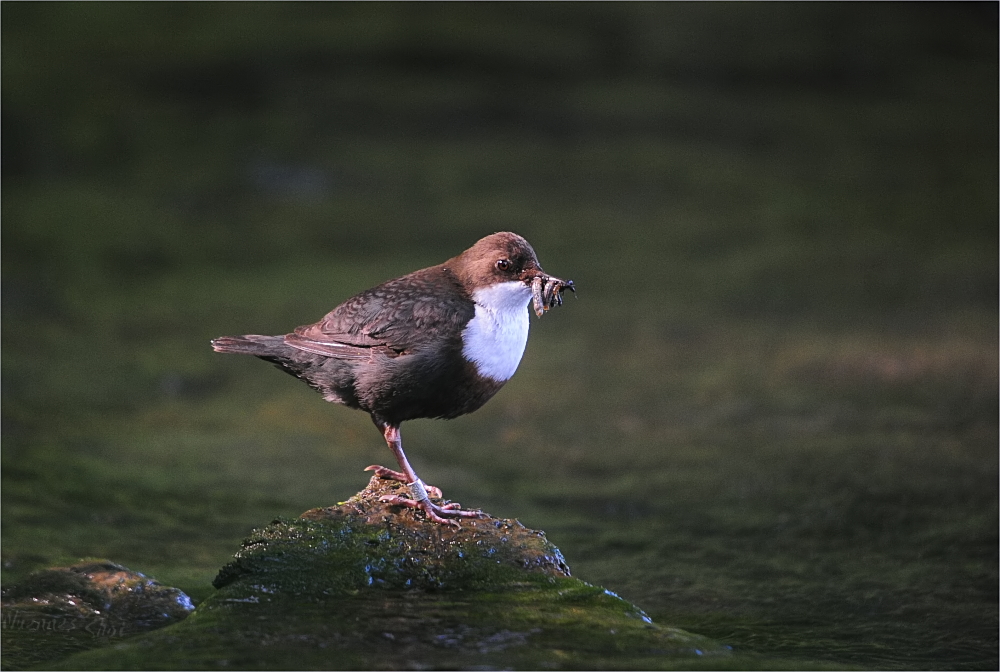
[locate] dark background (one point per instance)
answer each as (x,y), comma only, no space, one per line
(771,416)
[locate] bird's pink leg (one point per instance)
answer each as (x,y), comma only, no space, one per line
(419,491)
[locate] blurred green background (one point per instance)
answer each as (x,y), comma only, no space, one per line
(772,415)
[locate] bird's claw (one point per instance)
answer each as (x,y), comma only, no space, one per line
(443,514)
(391,475)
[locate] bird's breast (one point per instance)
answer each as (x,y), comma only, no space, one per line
(495,337)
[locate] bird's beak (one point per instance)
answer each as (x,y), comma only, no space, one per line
(546,290)
(530,275)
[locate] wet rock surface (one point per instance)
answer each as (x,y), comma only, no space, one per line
(57,611)
(366,585)
(388,546)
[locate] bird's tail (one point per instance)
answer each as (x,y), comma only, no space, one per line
(251,344)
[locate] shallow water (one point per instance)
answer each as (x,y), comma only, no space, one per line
(770,417)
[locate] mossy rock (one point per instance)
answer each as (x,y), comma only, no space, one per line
(365,543)
(365,585)
(61,610)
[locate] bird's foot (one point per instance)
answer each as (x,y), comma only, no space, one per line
(444,514)
(421,495)
(390,475)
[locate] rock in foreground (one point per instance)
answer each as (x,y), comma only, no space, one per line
(364,585)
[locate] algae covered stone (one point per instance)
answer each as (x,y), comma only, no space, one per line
(364,542)
(61,610)
(365,585)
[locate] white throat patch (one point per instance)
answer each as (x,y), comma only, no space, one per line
(494,339)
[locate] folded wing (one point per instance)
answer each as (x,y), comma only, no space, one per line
(394,318)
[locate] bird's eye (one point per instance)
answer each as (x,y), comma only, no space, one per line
(503,264)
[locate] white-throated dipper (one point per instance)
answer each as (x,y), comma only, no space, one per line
(436,343)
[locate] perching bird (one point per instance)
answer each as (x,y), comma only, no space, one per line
(436,343)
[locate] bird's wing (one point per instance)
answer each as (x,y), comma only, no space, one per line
(395,317)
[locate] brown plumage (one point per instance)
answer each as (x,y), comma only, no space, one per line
(436,343)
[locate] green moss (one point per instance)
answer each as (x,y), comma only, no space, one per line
(55,612)
(363,585)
